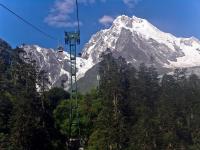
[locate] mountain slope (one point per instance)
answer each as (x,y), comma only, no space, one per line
(56,64)
(135,39)
(139,41)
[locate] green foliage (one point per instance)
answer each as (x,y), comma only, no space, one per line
(25,115)
(55,96)
(89,108)
(61,115)
(141,112)
(130,110)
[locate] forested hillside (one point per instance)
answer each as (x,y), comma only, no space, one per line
(131,109)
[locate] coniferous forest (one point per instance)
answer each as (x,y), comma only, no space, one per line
(131,109)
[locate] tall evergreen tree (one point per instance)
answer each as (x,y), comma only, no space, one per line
(113,119)
(145,130)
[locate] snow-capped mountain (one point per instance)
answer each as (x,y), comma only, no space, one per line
(135,39)
(56,64)
(139,41)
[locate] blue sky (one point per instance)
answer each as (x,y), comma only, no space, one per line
(179,17)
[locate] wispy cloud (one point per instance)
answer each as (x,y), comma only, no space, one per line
(131,3)
(106,20)
(62,10)
(60,14)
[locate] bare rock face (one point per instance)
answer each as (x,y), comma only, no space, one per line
(138,41)
(135,39)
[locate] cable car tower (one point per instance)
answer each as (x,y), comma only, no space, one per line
(72,39)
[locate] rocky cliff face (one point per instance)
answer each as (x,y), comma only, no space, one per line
(135,39)
(138,41)
(56,64)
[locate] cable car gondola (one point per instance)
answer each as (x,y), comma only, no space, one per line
(60,49)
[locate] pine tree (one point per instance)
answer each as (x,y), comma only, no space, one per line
(167,113)
(112,126)
(147,93)
(192,109)
(30,122)
(6,108)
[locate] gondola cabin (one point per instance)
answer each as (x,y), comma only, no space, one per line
(60,49)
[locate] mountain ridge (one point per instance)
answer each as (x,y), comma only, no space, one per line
(140,28)
(133,38)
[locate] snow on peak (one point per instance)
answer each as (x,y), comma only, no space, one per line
(136,19)
(183,49)
(109,37)
(142,39)
(57,64)
(145,29)
(123,19)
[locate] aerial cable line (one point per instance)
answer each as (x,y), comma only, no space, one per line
(28,23)
(77,15)
(72,39)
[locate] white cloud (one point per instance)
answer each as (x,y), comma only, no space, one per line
(60,14)
(131,3)
(106,20)
(62,10)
